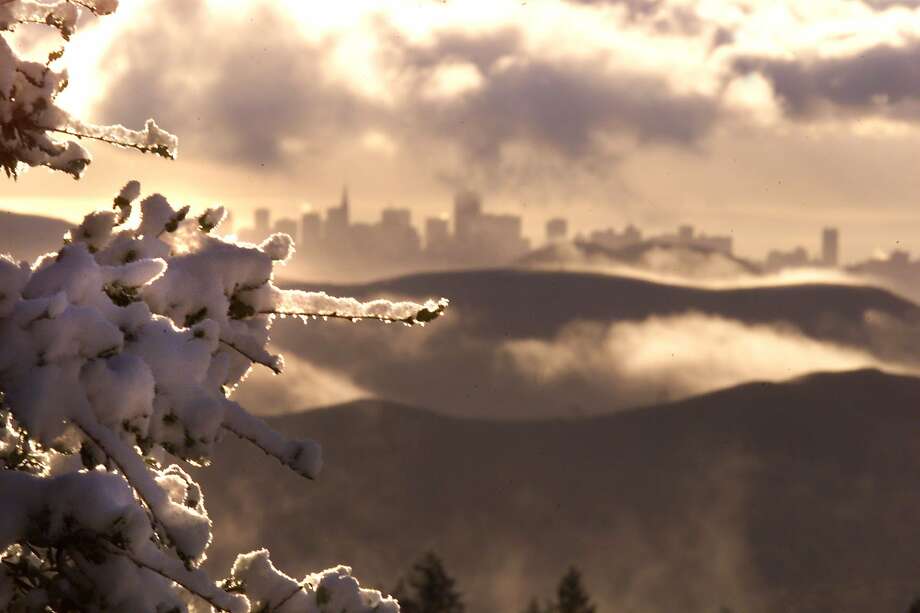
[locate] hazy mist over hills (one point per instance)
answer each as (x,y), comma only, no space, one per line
(622,420)
(537,342)
(526,344)
(798,497)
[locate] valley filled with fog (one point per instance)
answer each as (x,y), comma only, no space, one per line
(693,441)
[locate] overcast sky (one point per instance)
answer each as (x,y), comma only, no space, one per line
(764,119)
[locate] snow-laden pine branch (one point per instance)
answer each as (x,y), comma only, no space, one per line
(31,124)
(331,590)
(122,350)
(60,14)
(303,457)
(119,352)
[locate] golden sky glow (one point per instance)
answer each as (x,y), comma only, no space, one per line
(740,116)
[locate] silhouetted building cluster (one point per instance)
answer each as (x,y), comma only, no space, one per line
(477,238)
(686,236)
(557,230)
(896,265)
(798,257)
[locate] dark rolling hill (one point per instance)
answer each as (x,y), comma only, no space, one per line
(520,344)
(510,302)
(28,236)
(794,497)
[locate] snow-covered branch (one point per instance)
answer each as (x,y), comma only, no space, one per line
(188,531)
(29,117)
(296,303)
(152,139)
(119,350)
(303,457)
(195,581)
(271,590)
(262,358)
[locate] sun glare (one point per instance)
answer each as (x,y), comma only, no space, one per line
(85,52)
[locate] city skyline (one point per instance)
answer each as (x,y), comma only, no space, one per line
(474,236)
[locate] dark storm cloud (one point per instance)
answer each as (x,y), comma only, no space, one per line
(658,14)
(722,37)
(238,90)
(565,106)
(482,50)
(887,4)
(882,79)
(251,90)
(562,105)
(636,8)
(234,91)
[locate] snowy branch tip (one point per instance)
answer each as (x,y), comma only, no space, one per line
(302,304)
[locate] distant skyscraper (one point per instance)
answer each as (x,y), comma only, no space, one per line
(338,218)
(557,229)
(467,210)
(395,218)
(287,226)
(262,221)
(311,228)
(505,229)
(830,247)
(437,234)
(496,238)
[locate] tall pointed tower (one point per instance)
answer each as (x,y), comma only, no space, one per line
(337,218)
(345,205)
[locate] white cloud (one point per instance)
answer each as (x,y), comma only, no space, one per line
(753,96)
(452,79)
(677,357)
(379,142)
(303,386)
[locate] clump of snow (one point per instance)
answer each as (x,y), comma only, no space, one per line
(279,247)
(211,218)
(32,122)
(117,353)
(130,191)
(331,590)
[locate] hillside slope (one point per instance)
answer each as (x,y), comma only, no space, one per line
(28,236)
(537,303)
(521,344)
(798,497)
